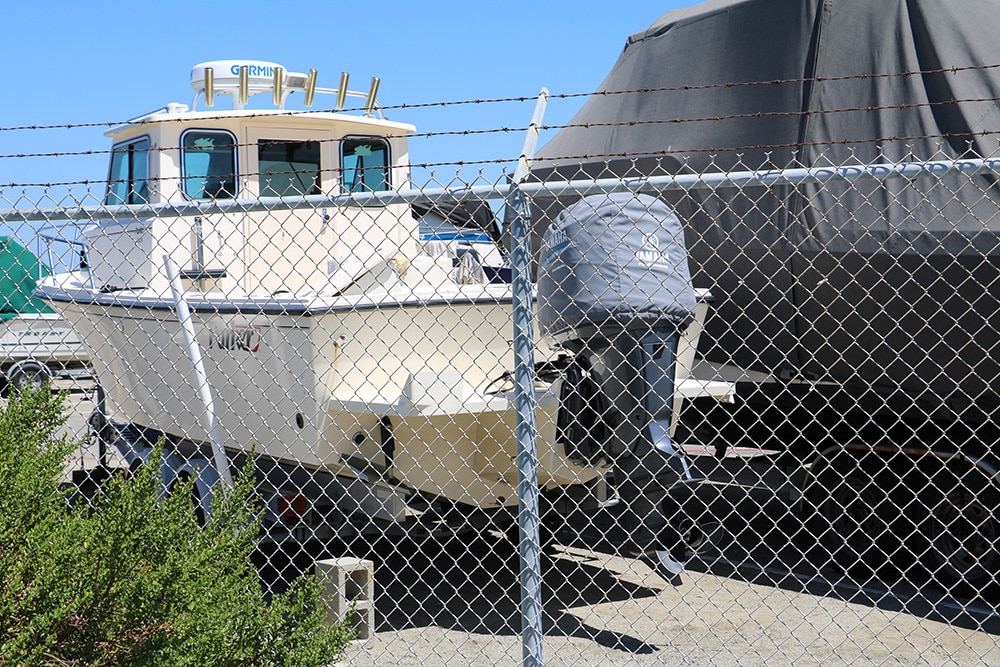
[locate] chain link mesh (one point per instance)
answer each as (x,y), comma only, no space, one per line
(765,405)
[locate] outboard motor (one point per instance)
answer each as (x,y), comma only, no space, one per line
(614,289)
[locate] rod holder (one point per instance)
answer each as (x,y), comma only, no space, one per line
(279,80)
(209,87)
(244,85)
(310,87)
(342,90)
(370,102)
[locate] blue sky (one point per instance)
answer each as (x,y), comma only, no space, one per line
(97,62)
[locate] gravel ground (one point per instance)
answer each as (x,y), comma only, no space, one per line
(458,604)
(606,610)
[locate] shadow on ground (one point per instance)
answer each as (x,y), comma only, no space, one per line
(470,583)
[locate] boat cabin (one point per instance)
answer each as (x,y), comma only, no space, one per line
(189,155)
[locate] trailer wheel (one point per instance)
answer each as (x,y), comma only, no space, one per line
(28,374)
(184,479)
(856,514)
(963,536)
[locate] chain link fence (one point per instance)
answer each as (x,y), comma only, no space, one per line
(574,416)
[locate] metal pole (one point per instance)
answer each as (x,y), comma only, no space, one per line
(528,517)
(651,185)
(200,377)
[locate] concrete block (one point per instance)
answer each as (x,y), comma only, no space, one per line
(349,592)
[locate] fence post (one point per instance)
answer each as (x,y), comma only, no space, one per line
(524,400)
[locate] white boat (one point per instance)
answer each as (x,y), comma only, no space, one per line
(36,347)
(36,344)
(330,341)
(467,232)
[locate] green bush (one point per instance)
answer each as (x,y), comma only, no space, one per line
(133,580)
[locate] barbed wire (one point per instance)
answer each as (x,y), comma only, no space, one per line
(713,119)
(672,153)
(621,123)
(156,180)
(522,99)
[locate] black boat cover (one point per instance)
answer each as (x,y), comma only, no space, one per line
(894,285)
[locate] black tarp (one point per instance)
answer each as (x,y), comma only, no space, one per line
(893,286)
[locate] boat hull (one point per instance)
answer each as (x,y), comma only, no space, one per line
(43,337)
(413,390)
(329,385)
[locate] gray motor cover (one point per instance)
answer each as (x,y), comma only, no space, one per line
(617,258)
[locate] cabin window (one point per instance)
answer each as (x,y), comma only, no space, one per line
(288,168)
(209,164)
(128,182)
(364,162)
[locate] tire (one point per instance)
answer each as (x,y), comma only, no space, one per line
(29,374)
(196,507)
(856,514)
(963,539)
(99,428)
